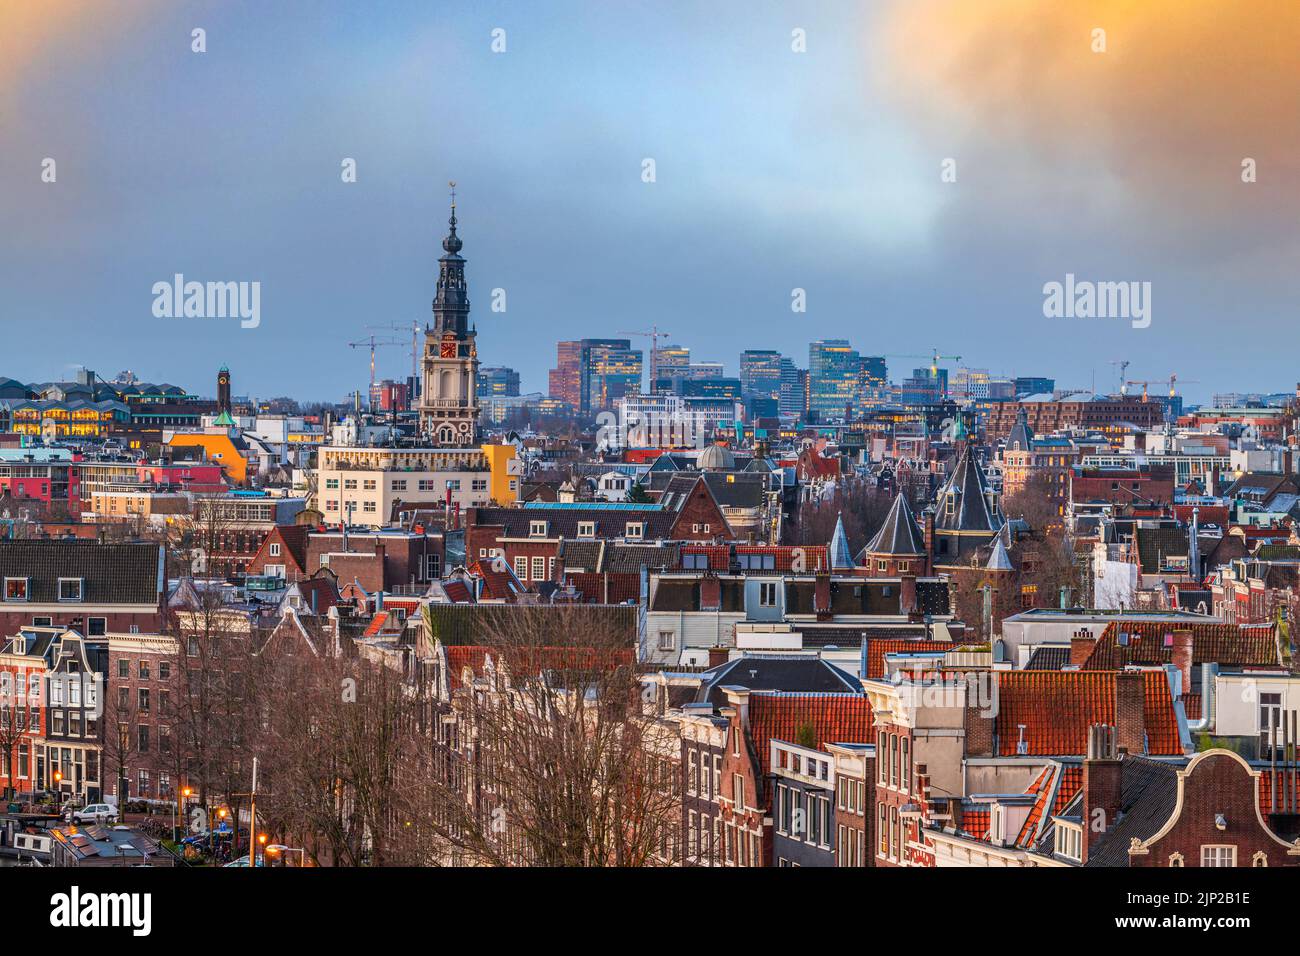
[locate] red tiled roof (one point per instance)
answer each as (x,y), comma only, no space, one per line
(376,624)
(815,558)
(1057,707)
(1225,644)
(877,648)
(975,820)
(1054,787)
(834,718)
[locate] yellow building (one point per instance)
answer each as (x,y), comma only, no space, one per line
(219,447)
(505,469)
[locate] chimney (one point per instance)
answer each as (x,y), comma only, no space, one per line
(1130,714)
(737,704)
(979,727)
(822,595)
(907,594)
(1182,658)
(928,531)
(710,592)
(1102,785)
(718,655)
(1081,645)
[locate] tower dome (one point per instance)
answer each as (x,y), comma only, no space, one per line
(716,458)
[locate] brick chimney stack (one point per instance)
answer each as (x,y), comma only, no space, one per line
(1182,658)
(822,595)
(907,594)
(1130,712)
(718,655)
(979,727)
(1103,777)
(710,592)
(1081,645)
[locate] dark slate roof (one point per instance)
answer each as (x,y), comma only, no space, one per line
(131,573)
(783,672)
(968,485)
(683,594)
(1048,657)
(742,491)
(563,520)
(899,534)
(1148,793)
(1156,543)
(1022,436)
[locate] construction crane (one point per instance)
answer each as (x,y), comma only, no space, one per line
(373,343)
(654,334)
(1172,381)
(415,329)
(1123,370)
(934,358)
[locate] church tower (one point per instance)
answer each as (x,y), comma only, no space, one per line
(449,396)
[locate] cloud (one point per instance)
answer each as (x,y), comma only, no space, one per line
(1146,139)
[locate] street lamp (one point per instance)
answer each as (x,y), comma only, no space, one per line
(277,848)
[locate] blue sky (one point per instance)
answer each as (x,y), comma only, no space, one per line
(775,170)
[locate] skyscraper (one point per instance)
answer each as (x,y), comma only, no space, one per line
(760,373)
(833,372)
(793,396)
(608,369)
(497,380)
(566,378)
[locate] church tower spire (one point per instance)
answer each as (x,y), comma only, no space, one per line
(451,298)
(449,387)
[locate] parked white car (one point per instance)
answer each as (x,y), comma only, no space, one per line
(96,813)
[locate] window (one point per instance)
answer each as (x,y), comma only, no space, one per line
(537,529)
(350,484)
(368,507)
(274,549)
(667,640)
(767,594)
(368,485)
(97,626)
(521,567)
(143,670)
(634,529)
(70,589)
(1271,720)
(586,529)
(144,699)
(143,738)
(539,569)
(123,667)
(16,589)
(478,484)
(693,778)
(398,484)
(453,484)
(738,790)
(164,670)
(1218,856)
(331,482)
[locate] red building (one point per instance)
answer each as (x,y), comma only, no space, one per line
(22,679)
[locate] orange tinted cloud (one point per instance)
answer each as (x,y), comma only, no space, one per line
(32,27)
(1184,92)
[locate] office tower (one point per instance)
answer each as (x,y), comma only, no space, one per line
(873,381)
(793,397)
(760,373)
(566,378)
(833,369)
(498,381)
(610,369)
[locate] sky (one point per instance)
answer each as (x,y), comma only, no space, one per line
(795,146)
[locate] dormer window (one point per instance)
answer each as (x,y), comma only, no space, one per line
(16,589)
(634,529)
(537,529)
(1069,840)
(950,503)
(70,589)
(586,529)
